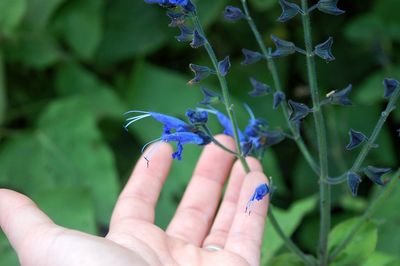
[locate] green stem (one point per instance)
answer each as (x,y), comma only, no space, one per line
(371,141)
(278,87)
(216,142)
(3,99)
(288,242)
(325,196)
(225,93)
(376,202)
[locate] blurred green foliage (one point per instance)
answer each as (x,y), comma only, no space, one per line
(70,69)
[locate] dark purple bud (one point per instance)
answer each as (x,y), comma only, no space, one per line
(279,96)
(198,40)
(339,97)
(251,57)
(390,86)
(247,147)
(259,88)
(323,50)
(200,73)
(375,174)
(329,7)
(177,19)
(197,117)
(353,181)
(298,110)
(289,10)
(224,66)
(283,48)
(186,34)
(356,138)
(260,192)
(232,13)
(210,97)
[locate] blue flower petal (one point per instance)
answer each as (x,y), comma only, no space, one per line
(289,10)
(390,86)
(227,124)
(375,174)
(329,7)
(186,34)
(260,192)
(177,19)
(279,96)
(259,88)
(356,139)
(298,111)
(197,117)
(198,40)
(353,181)
(251,57)
(210,97)
(232,13)
(200,73)
(283,48)
(224,66)
(340,97)
(323,50)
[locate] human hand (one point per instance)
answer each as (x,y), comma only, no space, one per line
(133,239)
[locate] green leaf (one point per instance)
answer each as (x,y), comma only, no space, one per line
(365,28)
(287,259)
(209,11)
(289,220)
(263,5)
(79,25)
(271,166)
(11,14)
(76,204)
(359,249)
(379,258)
(39,13)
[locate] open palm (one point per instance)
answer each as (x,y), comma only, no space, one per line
(190,239)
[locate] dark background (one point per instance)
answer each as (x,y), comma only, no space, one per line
(72,68)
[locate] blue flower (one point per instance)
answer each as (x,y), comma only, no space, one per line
(186,34)
(279,96)
(283,48)
(168,3)
(356,139)
(329,7)
(390,86)
(224,66)
(197,117)
(256,127)
(298,111)
(259,88)
(260,192)
(200,73)
(169,122)
(182,138)
(323,50)
(353,181)
(210,97)
(232,13)
(227,124)
(339,97)
(251,57)
(198,40)
(289,10)
(375,174)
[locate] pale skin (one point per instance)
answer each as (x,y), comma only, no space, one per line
(133,239)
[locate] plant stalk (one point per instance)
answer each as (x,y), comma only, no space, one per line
(325,197)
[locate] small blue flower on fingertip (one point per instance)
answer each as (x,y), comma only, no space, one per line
(353,181)
(259,88)
(298,111)
(289,10)
(329,7)
(260,192)
(356,139)
(233,13)
(375,174)
(279,97)
(283,48)
(340,97)
(323,50)
(224,66)
(390,86)
(251,57)
(200,73)
(198,40)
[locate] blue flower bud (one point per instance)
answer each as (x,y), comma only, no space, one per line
(232,13)
(375,174)
(329,7)
(177,19)
(224,66)
(189,7)
(283,47)
(356,139)
(353,181)
(289,10)
(182,138)
(210,97)
(259,88)
(339,97)
(390,86)
(279,96)
(198,40)
(298,110)
(186,34)
(200,73)
(251,57)
(323,50)
(260,192)
(197,117)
